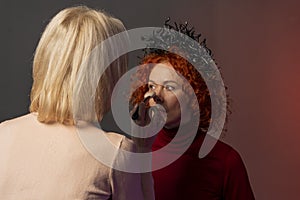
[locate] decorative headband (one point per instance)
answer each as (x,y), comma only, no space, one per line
(181,39)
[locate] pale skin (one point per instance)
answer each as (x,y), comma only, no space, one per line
(167,85)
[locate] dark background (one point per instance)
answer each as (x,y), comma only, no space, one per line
(255,42)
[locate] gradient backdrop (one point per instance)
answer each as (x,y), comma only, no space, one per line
(255,42)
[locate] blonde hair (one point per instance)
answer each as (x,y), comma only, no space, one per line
(62,70)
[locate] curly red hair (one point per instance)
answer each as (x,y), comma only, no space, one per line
(187,70)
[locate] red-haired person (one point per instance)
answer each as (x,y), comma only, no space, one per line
(221,174)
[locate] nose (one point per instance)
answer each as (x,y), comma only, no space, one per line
(158,98)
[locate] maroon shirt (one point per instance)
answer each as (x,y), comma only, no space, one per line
(219,175)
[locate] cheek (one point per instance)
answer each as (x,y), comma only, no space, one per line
(177,106)
(172,104)
(178,98)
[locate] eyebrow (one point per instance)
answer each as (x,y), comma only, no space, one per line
(166,82)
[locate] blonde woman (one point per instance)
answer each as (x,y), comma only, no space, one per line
(41,154)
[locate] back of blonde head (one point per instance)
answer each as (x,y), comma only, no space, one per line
(60,64)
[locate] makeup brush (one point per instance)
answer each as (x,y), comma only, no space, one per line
(147,97)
